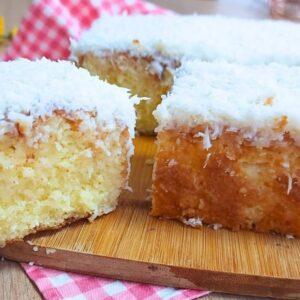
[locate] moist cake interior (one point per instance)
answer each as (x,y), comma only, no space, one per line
(65,145)
(63,176)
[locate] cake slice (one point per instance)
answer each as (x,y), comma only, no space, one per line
(229,148)
(65,144)
(142,52)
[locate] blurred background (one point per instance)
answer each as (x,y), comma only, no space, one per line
(12,10)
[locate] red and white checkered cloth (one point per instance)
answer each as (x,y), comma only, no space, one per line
(48,24)
(57,285)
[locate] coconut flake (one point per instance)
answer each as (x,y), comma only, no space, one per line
(206,140)
(290,184)
(194,222)
(290,236)
(172,163)
(206,160)
(218,130)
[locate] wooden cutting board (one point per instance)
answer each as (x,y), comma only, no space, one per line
(128,244)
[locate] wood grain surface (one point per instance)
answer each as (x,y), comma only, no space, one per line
(14,284)
(129,244)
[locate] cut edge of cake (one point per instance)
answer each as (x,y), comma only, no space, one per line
(65,146)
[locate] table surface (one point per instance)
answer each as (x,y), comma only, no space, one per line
(14,284)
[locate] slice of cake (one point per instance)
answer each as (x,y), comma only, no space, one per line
(229,148)
(65,144)
(142,52)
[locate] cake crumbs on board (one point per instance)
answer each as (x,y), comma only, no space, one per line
(50,251)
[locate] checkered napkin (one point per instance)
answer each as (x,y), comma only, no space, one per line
(56,285)
(48,24)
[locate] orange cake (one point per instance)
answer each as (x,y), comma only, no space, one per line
(142,52)
(229,148)
(65,144)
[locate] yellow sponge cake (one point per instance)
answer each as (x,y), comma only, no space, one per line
(65,144)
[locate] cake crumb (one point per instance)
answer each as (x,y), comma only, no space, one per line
(50,251)
(35,249)
(129,188)
(94,215)
(290,237)
(269,101)
(216,226)
(29,243)
(194,222)
(149,161)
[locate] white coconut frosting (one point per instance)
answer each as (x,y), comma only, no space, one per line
(208,38)
(254,100)
(33,89)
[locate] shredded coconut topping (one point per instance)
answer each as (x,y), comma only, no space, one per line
(228,96)
(33,89)
(208,38)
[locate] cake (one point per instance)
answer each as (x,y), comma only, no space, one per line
(65,144)
(228,148)
(142,52)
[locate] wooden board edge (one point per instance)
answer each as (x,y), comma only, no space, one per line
(144,272)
